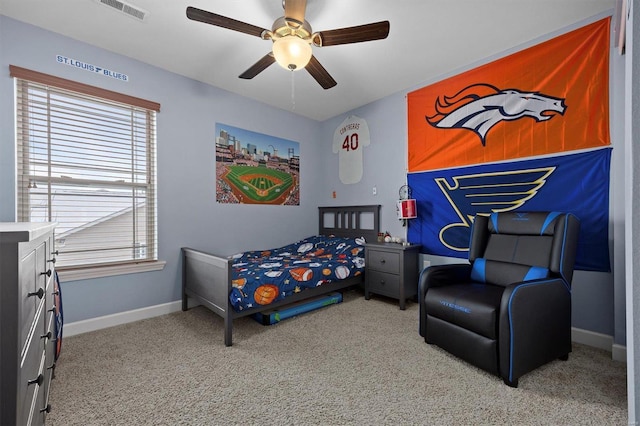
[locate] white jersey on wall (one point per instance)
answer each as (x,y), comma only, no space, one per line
(348,140)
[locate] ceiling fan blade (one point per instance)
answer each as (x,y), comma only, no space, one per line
(358,34)
(258,67)
(320,74)
(294,10)
(222,21)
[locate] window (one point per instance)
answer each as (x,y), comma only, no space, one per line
(86,160)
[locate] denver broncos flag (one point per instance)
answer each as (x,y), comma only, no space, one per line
(448,200)
(550,98)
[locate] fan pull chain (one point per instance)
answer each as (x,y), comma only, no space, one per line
(293,93)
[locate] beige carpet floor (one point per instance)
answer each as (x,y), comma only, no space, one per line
(359,362)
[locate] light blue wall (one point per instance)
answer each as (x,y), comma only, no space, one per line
(187,212)
(384,161)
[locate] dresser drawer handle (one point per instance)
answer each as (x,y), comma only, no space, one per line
(39,293)
(382,261)
(52,260)
(55,253)
(38,380)
(48,273)
(382,282)
(46,409)
(46,336)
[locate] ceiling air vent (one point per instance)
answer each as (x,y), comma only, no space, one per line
(126,8)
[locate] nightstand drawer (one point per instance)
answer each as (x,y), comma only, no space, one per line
(383,261)
(383,283)
(391,270)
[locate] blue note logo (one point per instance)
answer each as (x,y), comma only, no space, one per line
(521,217)
(486,193)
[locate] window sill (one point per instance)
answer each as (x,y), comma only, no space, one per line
(109,271)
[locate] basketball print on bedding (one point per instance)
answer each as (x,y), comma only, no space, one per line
(266,294)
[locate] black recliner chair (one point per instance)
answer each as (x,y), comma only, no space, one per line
(509,310)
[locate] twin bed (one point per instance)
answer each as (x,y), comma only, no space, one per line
(256,281)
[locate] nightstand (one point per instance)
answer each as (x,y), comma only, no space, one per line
(391,270)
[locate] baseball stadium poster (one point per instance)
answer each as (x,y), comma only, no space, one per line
(550,98)
(254,168)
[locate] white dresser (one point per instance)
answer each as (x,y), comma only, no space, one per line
(27,337)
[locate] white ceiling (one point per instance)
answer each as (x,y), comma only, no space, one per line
(427,39)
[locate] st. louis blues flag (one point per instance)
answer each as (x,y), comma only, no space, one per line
(448,200)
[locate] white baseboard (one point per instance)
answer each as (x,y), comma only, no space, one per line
(601,341)
(590,338)
(93,324)
(619,353)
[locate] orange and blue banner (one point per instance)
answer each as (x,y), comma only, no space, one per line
(550,98)
(449,199)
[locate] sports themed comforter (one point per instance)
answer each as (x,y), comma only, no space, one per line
(262,277)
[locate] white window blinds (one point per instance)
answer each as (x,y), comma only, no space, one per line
(89,164)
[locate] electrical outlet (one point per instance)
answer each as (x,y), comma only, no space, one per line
(375,190)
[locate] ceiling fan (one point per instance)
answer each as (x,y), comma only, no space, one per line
(292,38)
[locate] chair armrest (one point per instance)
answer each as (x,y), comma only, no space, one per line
(441,275)
(438,276)
(535,325)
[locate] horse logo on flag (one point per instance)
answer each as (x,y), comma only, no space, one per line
(479,107)
(485,193)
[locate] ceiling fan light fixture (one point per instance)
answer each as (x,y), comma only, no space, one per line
(292,52)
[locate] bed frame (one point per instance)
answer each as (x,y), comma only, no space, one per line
(206,278)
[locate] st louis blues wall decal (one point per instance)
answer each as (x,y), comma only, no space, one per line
(486,193)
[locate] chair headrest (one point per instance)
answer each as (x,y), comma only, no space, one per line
(523,223)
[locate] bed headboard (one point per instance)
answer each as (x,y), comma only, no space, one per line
(350,221)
